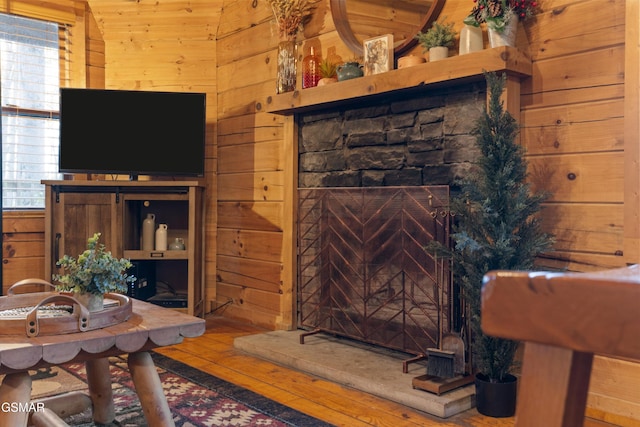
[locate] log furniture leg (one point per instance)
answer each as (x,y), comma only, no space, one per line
(564,320)
(47,418)
(99,382)
(63,405)
(547,373)
(149,389)
(15,389)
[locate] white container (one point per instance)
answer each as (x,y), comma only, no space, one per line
(507,37)
(148,230)
(470,39)
(161,237)
(438,53)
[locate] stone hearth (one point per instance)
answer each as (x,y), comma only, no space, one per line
(374,370)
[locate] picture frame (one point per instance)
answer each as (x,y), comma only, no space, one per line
(378,54)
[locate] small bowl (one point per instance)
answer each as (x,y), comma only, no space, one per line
(410,61)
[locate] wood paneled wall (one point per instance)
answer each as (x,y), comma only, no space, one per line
(573,126)
(572,121)
(577,110)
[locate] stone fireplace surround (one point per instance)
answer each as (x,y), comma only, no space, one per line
(422,139)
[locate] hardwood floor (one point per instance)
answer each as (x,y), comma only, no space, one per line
(214,353)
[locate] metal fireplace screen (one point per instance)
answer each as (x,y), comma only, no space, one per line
(364,271)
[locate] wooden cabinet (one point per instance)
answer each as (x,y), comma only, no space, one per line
(171,278)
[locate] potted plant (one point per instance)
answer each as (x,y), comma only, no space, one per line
(501,17)
(328,72)
(94,273)
(437,40)
(496,228)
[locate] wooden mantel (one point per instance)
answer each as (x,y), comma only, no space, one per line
(451,71)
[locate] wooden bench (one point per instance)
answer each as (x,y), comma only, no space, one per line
(564,320)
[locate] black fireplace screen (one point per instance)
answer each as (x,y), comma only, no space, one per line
(364,270)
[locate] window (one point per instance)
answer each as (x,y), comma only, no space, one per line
(29,96)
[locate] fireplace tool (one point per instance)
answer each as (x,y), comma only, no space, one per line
(447,360)
(446,365)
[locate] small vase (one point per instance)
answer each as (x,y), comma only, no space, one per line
(177,244)
(438,53)
(93,302)
(508,35)
(286,72)
(350,70)
(148,232)
(310,70)
(161,237)
(470,39)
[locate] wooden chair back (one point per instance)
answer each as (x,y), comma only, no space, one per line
(564,319)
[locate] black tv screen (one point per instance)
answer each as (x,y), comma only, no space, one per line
(132,132)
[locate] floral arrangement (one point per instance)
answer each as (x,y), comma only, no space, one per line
(95,271)
(291,15)
(497,13)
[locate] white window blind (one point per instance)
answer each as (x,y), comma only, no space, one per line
(29,97)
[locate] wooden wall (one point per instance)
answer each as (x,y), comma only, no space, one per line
(578,114)
(573,118)
(573,128)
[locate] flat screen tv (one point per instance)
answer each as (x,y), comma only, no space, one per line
(132,133)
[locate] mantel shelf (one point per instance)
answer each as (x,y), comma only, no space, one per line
(450,71)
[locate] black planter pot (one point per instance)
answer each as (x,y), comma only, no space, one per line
(496,399)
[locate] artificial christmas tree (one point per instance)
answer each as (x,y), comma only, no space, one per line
(496,228)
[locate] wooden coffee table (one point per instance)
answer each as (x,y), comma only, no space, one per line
(149,327)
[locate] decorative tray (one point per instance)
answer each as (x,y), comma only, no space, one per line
(55,313)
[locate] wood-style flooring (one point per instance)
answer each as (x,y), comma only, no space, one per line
(214,353)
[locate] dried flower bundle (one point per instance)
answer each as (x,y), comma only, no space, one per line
(292,15)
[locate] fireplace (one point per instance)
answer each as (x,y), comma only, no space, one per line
(364,270)
(374,184)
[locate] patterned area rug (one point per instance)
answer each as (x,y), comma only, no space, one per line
(195,397)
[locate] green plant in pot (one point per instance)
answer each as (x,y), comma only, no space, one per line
(328,72)
(496,228)
(93,273)
(437,40)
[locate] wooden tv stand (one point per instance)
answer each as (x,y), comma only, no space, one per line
(75,210)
